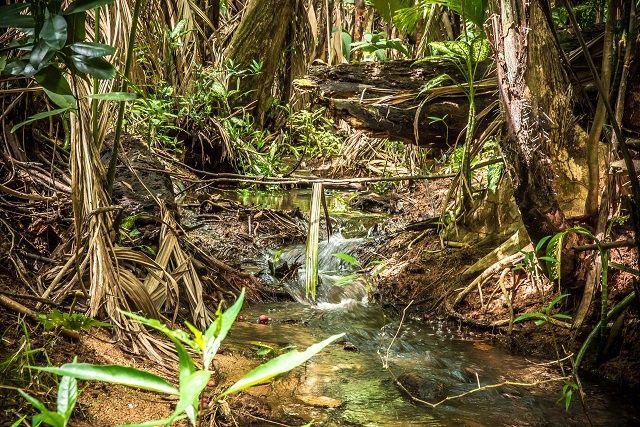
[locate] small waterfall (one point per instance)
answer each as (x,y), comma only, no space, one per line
(330,270)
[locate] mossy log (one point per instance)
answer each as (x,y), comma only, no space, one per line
(382,98)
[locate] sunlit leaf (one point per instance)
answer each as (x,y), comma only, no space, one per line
(67,396)
(494,173)
(125,375)
(92,50)
(190,389)
(527,316)
(480,49)
(279,365)
(115,96)
(56,86)
(97,67)
(224,322)
(39,116)
(54,31)
(346,257)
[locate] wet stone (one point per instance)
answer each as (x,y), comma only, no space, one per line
(320,401)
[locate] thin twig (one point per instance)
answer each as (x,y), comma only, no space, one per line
(385,362)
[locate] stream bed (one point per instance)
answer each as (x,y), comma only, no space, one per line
(438,358)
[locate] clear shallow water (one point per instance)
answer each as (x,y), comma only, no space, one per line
(440,353)
(437,352)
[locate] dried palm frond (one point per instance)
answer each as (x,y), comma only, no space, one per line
(362,155)
(173,259)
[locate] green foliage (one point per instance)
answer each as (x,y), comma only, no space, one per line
(15,367)
(559,15)
(67,397)
(341,202)
(368,276)
(567,393)
(554,250)
(587,13)
(383,187)
(406,17)
(313,131)
(256,153)
(192,378)
(494,173)
(530,260)
(266,349)
(375,45)
(545,315)
(54,37)
(74,321)
(388,8)
(279,365)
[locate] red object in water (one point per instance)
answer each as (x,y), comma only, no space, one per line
(264,319)
(240,319)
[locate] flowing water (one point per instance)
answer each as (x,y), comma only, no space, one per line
(446,360)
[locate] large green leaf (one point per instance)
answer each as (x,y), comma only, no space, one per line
(494,173)
(190,390)
(35,402)
(279,365)
(388,8)
(50,418)
(159,326)
(67,396)
(97,67)
(39,116)
(92,50)
(526,316)
(84,5)
(10,16)
(348,258)
(155,423)
(15,68)
(76,27)
(54,31)
(115,96)
(41,55)
(125,375)
(480,49)
(217,331)
(56,86)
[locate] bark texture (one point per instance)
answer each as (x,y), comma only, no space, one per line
(260,37)
(544,146)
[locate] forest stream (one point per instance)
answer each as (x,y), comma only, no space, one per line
(347,384)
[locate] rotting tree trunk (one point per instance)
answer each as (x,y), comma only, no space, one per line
(259,37)
(382,99)
(543,138)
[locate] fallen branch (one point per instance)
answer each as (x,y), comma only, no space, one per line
(475,390)
(629,243)
(17,307)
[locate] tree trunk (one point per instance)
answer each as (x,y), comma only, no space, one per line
(544,147)
(259,38)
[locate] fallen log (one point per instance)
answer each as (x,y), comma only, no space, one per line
(382,98)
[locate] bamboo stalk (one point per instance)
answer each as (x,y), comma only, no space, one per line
(311,252)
